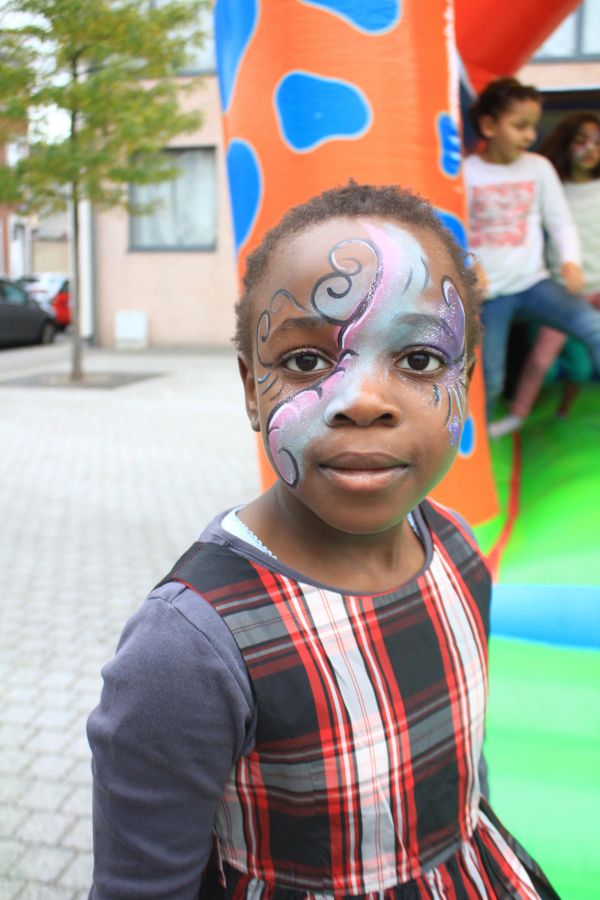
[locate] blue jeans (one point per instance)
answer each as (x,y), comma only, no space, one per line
(546,302)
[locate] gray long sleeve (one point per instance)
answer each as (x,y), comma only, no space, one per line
(175,713)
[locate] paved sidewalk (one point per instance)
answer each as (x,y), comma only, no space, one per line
(100,491)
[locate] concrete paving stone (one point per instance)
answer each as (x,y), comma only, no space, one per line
(18,694)
(50,765)
(10,889)
(14,735)
(44,864)
(80,835)
(14,760)
(19,714)
(10,818)
(59,680)
(38,793)
(11,787)
(11,852)
(79,801)
(57,719)
(35,891)
(83,704)
(54,699)
(22,676)
(35,647)
(44,741)
(76,742)
(43,828)
(81,772)
(79,873)
(87,684)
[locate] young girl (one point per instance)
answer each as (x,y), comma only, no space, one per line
(513,196)
(297,710)
(574,149)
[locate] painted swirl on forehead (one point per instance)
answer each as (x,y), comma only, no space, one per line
(340,297)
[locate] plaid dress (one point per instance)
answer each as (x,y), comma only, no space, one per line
(363,782)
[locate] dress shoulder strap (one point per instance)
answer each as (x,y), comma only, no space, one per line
(210,569)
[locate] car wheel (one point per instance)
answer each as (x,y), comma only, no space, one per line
(47,333)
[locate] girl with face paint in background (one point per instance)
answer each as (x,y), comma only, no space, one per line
(298,709)
(573,147)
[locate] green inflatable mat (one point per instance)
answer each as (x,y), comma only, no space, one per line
(543,726)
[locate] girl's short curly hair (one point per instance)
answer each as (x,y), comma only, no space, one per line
(497,98)
(355,200)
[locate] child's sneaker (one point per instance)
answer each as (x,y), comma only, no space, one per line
(505,426)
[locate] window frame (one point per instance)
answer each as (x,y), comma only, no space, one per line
(195,248)
(578,56)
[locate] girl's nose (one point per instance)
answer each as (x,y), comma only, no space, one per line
(368,401)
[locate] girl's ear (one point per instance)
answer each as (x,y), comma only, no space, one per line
(249,393)
(487,126)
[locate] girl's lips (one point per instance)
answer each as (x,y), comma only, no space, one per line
(363,472)
(364,479)
(354,459)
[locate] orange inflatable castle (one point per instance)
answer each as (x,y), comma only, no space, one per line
(317,91)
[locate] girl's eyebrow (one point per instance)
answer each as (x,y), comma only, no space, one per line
(299,323)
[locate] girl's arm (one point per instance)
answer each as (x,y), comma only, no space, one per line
(176,712)
(572,275)
(559,226)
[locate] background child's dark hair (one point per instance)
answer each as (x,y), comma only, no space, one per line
(497,97)
(351,201)
(557,144)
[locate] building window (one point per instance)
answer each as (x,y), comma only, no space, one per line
(577,38)
(185,216)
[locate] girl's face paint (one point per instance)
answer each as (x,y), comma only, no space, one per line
(359,375)
(585,150)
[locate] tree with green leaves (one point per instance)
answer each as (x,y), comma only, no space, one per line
(110,69)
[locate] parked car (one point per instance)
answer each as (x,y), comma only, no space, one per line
(22,320)
(51,290)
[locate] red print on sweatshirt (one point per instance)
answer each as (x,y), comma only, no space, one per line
(499,214)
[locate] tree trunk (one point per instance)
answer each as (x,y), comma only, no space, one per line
(76,343)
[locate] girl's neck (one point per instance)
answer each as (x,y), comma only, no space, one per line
(362,563)
(491,154)
(579,177)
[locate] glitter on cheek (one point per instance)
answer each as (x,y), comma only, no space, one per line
(452,384)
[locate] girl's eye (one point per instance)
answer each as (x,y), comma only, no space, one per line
(305,362)
(420,361)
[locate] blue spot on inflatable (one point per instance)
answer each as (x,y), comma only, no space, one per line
(373,18)
(467,441)
(312,110)
(245,188)
(235,24)
(449,142)
(563,614)
(454,226)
